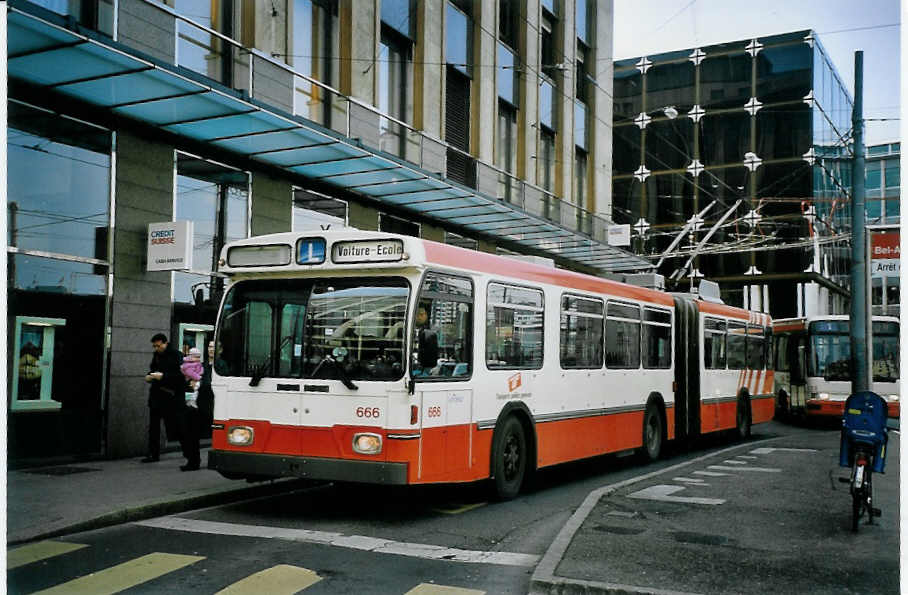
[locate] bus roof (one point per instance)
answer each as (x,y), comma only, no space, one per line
(801,323)
(355,250)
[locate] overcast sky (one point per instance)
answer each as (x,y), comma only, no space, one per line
(843,26)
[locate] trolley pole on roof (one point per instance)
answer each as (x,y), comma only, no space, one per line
(860,320)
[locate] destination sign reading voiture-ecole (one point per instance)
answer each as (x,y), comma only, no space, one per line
(368,251)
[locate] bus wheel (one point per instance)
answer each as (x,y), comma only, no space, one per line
(652,433)
(742,419)
(509,459)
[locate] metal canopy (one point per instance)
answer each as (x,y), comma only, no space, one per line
(105,74)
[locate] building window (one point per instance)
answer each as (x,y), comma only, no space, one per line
(507,74)
(547,160)
(582,19)
(580,173)
(547,58)
(458,38)
(394,75)
(392,224)
(312,45)
(94,14)
(201,51)
(508,13)
(317,212)
(459,240)
(506,150)
(216,199)
(398,15)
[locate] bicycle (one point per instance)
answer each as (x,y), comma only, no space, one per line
(863,448)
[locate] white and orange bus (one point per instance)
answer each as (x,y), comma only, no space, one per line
(369,357)
(813,364)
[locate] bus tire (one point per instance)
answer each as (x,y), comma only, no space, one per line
(653,433)
(742,418)
(509,459)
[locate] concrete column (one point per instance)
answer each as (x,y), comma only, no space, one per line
(600,141)
(358,48)
(362,217)
(528,92)
(141,301)
(272,205)
(565,40)
(428,68)
(484,100)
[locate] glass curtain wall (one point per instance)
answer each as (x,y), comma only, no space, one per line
(733,121)
(58,277)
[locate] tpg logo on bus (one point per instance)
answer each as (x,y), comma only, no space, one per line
(170,246)
(514,382)
(368,251)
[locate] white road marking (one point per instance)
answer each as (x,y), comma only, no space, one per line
(663,493)
(746,457)
(358,542)
(622,513)
(691,480)
(765,450)
(761,469)
(709,473)
(734,462)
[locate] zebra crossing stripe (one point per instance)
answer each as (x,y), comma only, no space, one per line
(429,589)
(277,580)
(124,576)
(41,550)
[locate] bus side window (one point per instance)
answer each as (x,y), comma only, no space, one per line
(443,328)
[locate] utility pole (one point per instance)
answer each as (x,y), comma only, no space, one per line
(861,337)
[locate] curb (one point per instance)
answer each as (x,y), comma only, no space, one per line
(544,580)
(211,497)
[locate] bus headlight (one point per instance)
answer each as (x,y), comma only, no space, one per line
(823,396)
(894,398)
(240,435)
(367,444)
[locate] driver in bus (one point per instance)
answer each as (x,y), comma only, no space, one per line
(426,346)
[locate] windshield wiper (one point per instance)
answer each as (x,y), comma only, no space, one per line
(340,371)
(258,372)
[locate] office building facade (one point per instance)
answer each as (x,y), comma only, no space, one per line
(485,124)
(734,160)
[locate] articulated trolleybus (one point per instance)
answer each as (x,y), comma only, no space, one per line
(813,364)
(369,357)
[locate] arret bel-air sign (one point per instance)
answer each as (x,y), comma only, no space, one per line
(170,246)
(885,254)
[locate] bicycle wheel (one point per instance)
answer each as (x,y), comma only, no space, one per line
(857,505)
(868,495)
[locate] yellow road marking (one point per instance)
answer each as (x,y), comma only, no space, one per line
(429,589)
(39,551)
(123,576)
(276,580)
(455,509)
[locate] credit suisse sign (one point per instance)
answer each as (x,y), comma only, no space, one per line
(170,246)
(884,254)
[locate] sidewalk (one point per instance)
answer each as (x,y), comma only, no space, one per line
(757,517)
(48,501)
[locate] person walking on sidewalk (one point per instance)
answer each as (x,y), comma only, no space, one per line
(166,402)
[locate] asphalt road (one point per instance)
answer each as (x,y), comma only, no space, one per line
(785,531)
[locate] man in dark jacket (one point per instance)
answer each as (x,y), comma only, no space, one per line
(166,401)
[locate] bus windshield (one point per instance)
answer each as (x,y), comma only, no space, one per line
(348,329)
(830,347)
